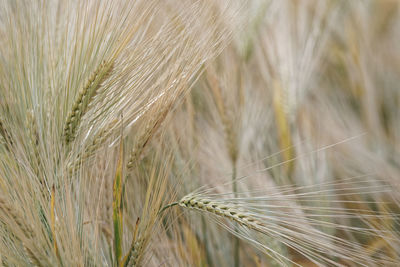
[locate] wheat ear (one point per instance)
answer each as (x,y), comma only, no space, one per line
(230,212)
(133,258)
(83,100)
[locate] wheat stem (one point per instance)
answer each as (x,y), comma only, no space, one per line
(168,206)
(236,246)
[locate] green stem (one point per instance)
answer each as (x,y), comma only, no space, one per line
(205,241)
(236,246)
(168,206)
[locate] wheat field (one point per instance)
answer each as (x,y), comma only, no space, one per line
(200,133)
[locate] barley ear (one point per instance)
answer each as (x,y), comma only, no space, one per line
(131,253)
(231,212)
(83,100)
(222,210)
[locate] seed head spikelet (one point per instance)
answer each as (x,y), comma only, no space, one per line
(84,98)
(227,211)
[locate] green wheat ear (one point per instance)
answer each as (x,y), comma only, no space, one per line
(83,100)
(132,255)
